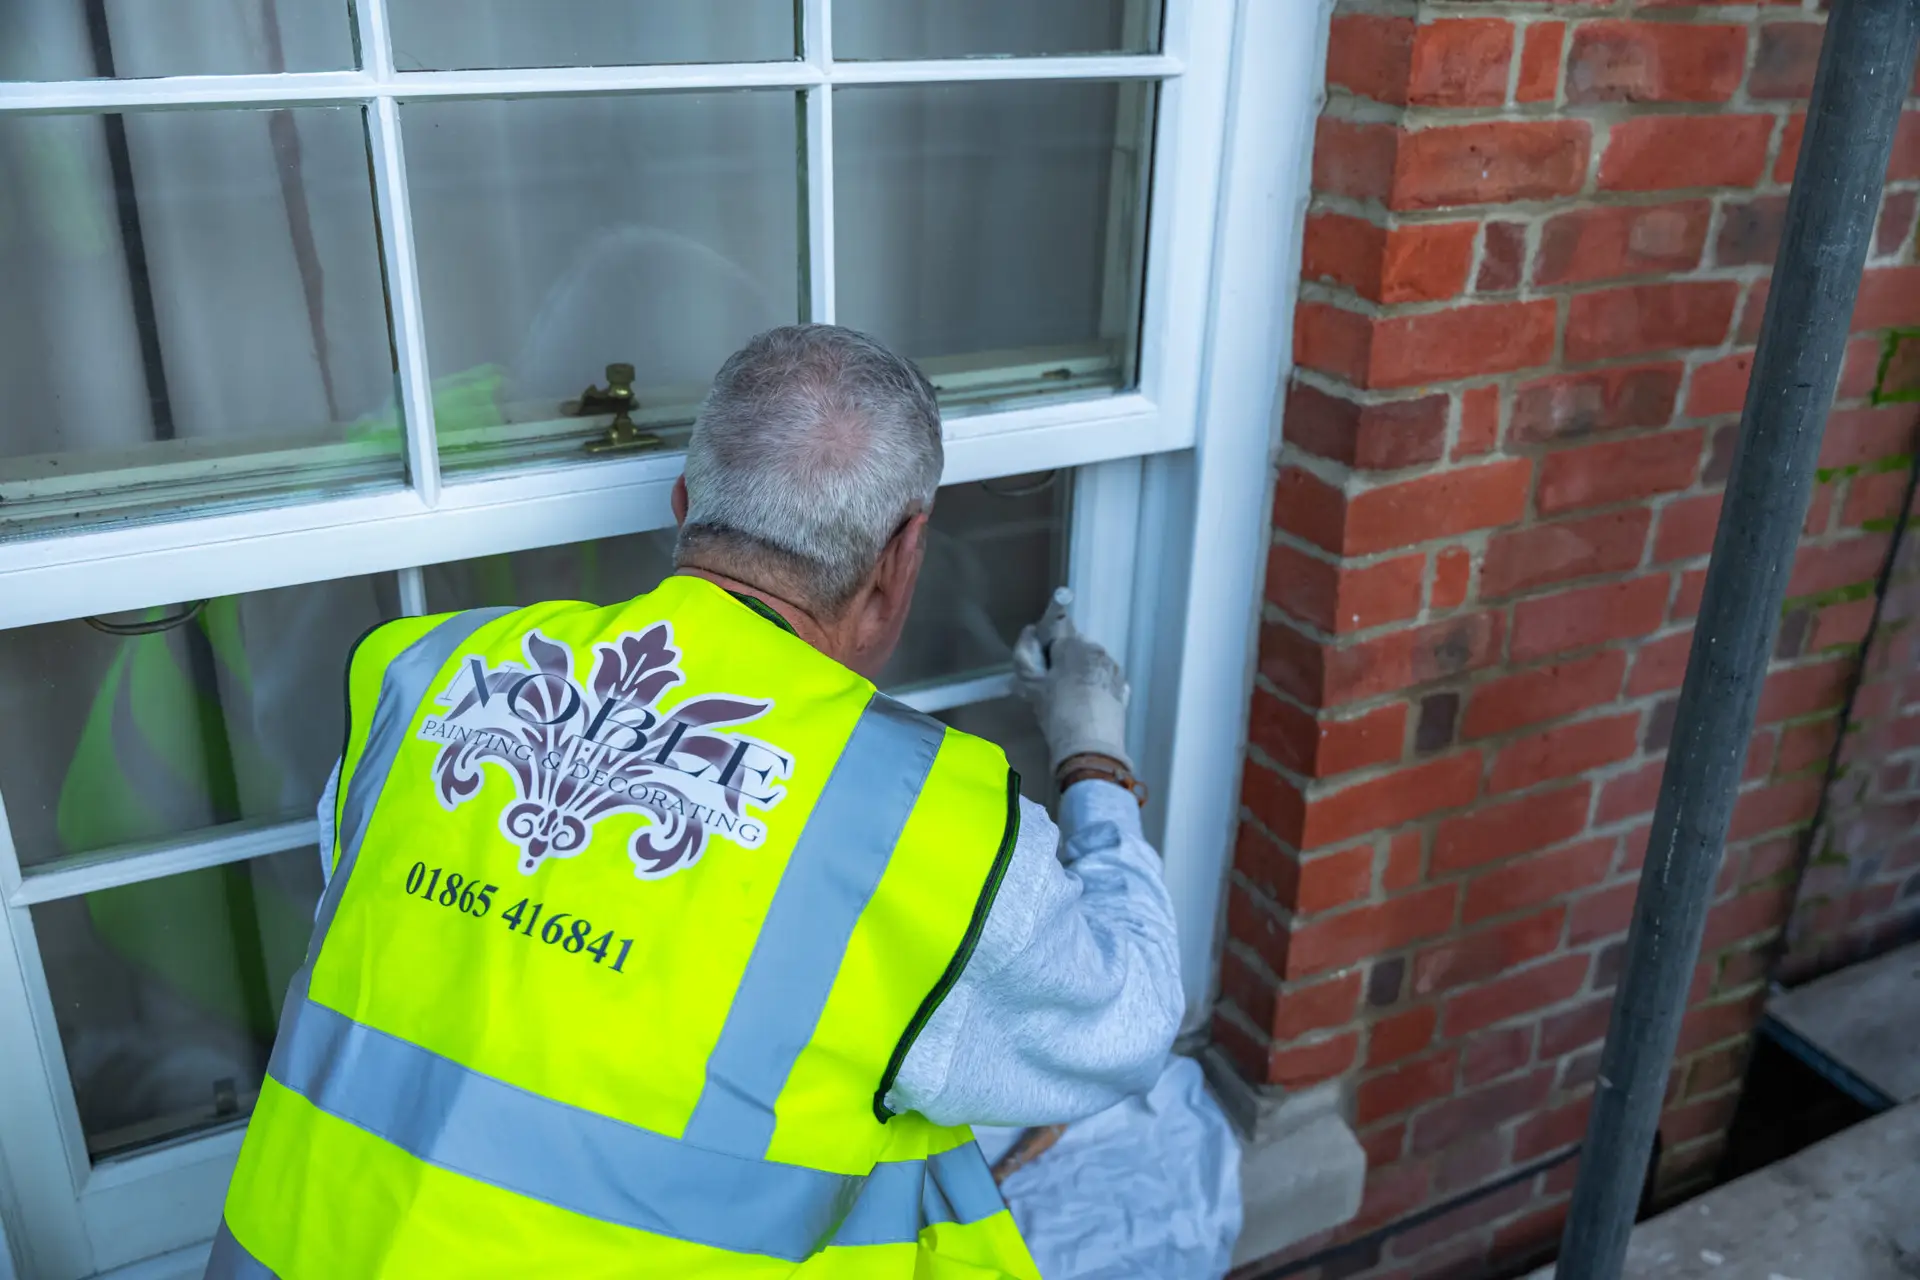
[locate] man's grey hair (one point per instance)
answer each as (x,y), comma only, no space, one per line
(815,445)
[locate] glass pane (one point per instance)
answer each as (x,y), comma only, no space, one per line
(559,236)
(864,29)
(167,993)
(603,571)
(456,35)
(236,712)
(995,552)
(194,313)
(92,39)
(995,232)
(1009,722)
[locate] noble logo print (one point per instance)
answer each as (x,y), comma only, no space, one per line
(578,750)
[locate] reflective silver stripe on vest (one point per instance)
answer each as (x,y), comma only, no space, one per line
(231,1261)
(954,1186)
(484,1128)
(404,685)
(836,864)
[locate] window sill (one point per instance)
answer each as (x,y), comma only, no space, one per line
(1301,1169)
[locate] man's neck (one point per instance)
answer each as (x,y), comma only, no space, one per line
(803,623)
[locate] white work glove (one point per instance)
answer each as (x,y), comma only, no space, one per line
(1078,692)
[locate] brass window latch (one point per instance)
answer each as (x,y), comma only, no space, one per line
(617,398)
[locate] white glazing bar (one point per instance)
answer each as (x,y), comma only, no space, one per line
(1166,348)
(374,33)
(374,37)
(45,1036)
(109,570)
(9,859)
(816,34)
(820,239)
(403,295)
(1183,198)
(1176,28)
(111,868)
(192,1173)
(172,1158)
(548,82)
(817,41)
(289,90)
(320,87)
(1100,554)
(180,1264)
(413,591)
(944,695)
(1124,66)
(34,1029)
(35,1123)
(319,541)
(1158,347)
(1046,411)
(297,88)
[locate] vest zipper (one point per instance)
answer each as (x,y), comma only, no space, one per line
(1008,838)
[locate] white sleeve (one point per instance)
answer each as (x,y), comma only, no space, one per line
(1072,997)
(324,812)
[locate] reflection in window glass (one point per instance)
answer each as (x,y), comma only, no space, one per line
(167,993)
(193,312)
(864,29)
(995,232)
(78,40)
(604,571)
(560,236)
(458,35)
(995,552)
(237,712)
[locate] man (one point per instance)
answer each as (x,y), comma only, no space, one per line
(658,943)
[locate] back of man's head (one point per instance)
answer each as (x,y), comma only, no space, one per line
(815,445)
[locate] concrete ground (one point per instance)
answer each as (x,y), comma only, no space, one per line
(1863,1021)
(1846,1209)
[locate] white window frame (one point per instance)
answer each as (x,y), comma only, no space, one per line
(1169,504)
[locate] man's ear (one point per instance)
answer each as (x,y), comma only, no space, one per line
(871,625)
(679,500)
(900,562)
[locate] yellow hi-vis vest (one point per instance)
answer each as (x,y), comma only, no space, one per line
(636,912)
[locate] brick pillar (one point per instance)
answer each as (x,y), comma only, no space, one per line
(1534,270)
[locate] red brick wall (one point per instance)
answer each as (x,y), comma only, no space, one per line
(1859,892)
(1534,271)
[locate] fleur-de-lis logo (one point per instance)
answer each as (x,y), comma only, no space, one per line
(577,752)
